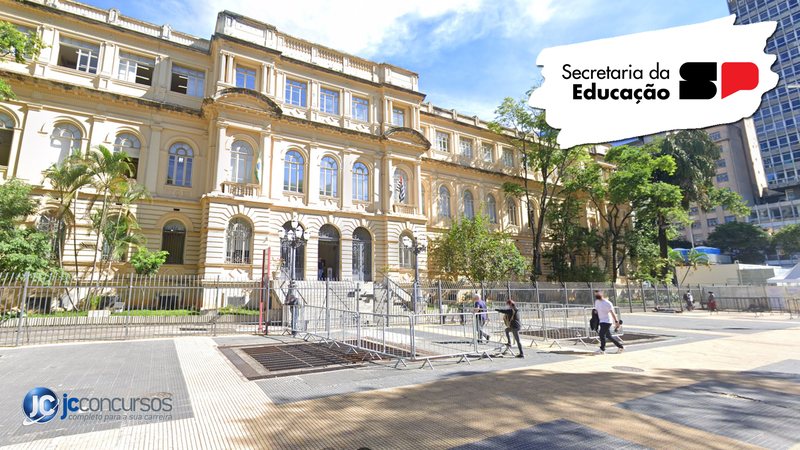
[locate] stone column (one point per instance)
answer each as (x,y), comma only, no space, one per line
(220,160)
(152,157)
(266,162)
(418,187)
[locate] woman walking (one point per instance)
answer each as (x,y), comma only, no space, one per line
(513,324)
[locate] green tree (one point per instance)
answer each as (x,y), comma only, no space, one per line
(22,249)
(470,250)
(19,45)
(695,156)
(629,190)
(743,241)
(787,239)
(527,131)
(569,241)
(145,262)
(693,261)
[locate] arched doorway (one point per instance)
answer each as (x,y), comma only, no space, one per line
(362,255)
(300,256)
(328,254)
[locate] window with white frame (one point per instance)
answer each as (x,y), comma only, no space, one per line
(469,205)
(130,144)
(491,208)
(511,211)
(488,153)
(442,141)
(6,136)
(293,172)
(238,240)
(360,182)
(245,77)
(401,194)
(78,55)
(359,109)
(508,157)
(405,255)
(187,81)
(466,147)
(398,117)
(66,138)
(296,92)
(444,202)
(328,177)
(241,162)
(135,69)
(179,167)
(329,101)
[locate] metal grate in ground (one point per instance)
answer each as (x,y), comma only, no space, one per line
(291,359)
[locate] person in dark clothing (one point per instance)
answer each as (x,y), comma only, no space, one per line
(514,324)
(480,318)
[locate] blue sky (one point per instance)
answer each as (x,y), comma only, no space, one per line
(470,54)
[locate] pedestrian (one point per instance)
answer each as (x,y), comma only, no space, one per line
(481,317)
(605,310)
(294,309)
(321,269)
(711,297)
(514,325)
(689,300)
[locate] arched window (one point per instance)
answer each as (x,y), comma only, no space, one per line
(130,144)
(491,208)
(328,253)
(360,182)
(469,205)
(444,202)
(57,230)
(239,238)
(511,211)
(179,169)
(293,172)
(405,254)
(6,136)
(328,177)
(362,255)
(400,186)
(173,240)
(241,162)
(66,138)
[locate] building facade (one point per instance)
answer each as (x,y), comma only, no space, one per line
(237,135)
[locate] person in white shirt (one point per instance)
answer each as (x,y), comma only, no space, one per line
(605,310)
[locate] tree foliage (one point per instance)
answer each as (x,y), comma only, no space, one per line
(145,262)
(21,46)
(787,239)
(744,241)
(470,250)
(572,244)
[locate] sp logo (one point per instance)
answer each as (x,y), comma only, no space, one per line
(699,77)
(40,405)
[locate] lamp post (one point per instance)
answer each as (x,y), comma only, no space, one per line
(293,238)
(417,244)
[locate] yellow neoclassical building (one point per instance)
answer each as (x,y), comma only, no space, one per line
(237,135)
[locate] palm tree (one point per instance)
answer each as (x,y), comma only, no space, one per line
(693,261)
(121,228)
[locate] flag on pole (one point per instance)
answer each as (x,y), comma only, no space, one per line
(257,169)
(401,190)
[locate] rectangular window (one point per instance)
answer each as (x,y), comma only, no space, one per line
(398,117)
(329,101)
(722,177)
(729,219)
(360,109)
(694,210)
(711,222)
(78,55)
(296,93)
(187,81)
(488,153)
(442,141)
(245,78)
(466,147)
(696,224)
(508,157)
(721,163)
(715,136)
(135,69)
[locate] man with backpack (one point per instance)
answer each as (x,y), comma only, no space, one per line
(605,312)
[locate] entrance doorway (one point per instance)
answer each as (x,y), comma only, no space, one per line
(362,255)
(329,251)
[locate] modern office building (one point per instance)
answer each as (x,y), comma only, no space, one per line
(237,135)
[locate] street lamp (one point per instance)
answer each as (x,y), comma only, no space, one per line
(417,244)
(293,238)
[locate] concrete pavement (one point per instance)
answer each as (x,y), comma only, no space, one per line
(727,381)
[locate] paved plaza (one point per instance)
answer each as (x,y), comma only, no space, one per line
(722,381)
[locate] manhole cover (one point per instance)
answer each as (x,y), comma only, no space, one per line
(628,369)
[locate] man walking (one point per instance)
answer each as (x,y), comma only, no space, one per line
(481,317)
(605,310)
(513,324)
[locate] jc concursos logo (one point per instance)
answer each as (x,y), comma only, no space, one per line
(40,405)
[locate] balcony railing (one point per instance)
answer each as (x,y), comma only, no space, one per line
(401,208)
(241,189)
